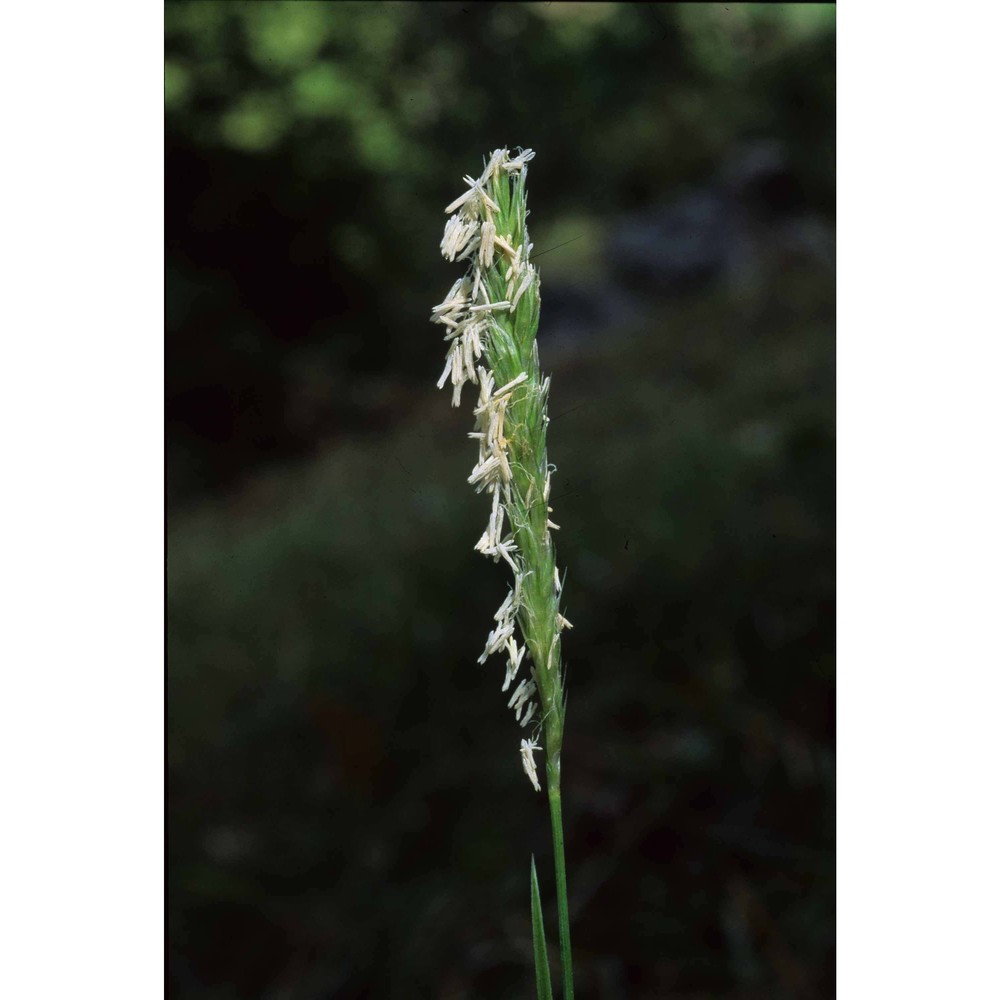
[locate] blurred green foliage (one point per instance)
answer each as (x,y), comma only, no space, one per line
(383,105)
(346,85)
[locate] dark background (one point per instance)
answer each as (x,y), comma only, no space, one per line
(347,813)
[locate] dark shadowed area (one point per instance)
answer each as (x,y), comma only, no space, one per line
(348,817)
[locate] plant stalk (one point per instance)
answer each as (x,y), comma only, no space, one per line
(562,900)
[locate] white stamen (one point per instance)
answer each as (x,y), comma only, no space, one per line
(461,200)
(505,549)
(505,473)
(485,544)
(514,656)
(470,249)
(484,473)
(489,306)
(522,693)
(528,748)
(457,233)
(497,161)
(525,284)
(518,581)
(447,370)
(486,246)
(496,639)
(506,247)
(506,608)
(455,299)
(516,163)
(523,377)
(496,515)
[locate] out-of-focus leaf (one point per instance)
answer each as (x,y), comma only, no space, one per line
(255,123)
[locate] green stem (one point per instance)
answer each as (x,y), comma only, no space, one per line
(562,902)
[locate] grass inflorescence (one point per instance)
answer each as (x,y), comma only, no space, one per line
(491,318)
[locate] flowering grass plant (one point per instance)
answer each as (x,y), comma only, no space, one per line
(490,317)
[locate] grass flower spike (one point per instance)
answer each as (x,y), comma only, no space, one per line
(490,319)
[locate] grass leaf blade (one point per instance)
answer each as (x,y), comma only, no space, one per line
(543,982)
